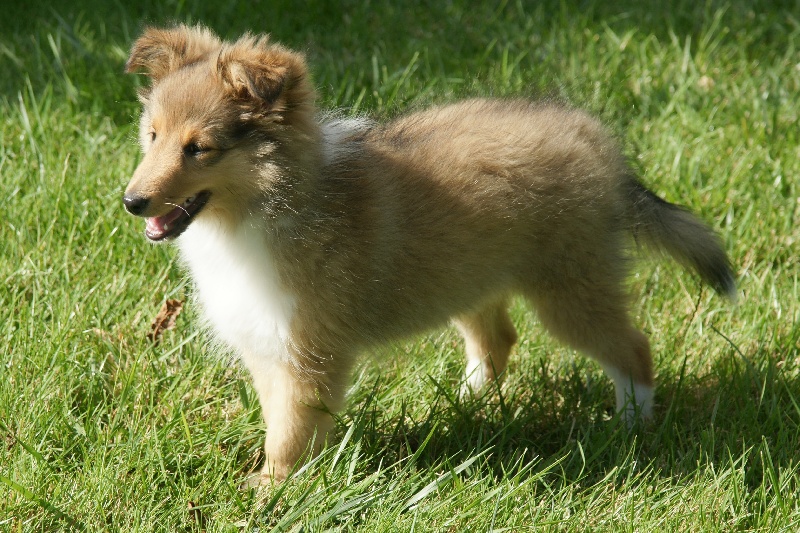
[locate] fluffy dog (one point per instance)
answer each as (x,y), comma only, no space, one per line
(310,241)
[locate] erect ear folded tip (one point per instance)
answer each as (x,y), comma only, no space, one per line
(130,66)
(262,73)
(159,51)
(253,80)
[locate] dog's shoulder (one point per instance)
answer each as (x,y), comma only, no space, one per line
(341,136)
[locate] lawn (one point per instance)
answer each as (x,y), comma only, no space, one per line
(102,429)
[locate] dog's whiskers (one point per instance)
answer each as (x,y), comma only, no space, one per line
(180,207)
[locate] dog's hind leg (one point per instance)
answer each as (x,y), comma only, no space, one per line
(489,336)
(593,318)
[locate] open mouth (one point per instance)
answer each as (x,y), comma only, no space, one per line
(176,221)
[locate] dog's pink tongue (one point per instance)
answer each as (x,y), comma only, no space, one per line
(158,226)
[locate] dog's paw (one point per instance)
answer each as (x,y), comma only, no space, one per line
(260,479)
(635,405)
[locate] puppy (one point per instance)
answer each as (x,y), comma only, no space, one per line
(310,241)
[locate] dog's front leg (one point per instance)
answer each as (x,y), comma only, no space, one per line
(297,403)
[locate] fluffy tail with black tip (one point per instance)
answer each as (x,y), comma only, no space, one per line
(682,235)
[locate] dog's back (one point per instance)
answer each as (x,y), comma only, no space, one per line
(475,201)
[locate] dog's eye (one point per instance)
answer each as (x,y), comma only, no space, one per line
(152,136)
(193,149)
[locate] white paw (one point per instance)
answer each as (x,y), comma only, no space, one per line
(475,380)
(634,400)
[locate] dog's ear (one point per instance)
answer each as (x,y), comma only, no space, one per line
(161,51)
(267,78)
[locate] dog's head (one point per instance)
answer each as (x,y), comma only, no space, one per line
(222,124)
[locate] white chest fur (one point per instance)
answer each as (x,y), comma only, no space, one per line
(238,287)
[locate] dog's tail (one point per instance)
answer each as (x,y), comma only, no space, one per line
(675,230)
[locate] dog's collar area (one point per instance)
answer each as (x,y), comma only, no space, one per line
(176,221)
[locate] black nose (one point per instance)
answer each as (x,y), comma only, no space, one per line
(135,204)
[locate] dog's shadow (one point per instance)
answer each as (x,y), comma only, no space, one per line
(744,414)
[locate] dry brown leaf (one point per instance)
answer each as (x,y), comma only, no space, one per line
(165,319)
(195,514)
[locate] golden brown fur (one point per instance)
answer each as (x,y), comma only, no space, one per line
(318,241)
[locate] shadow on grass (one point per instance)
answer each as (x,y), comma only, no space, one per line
(749,411)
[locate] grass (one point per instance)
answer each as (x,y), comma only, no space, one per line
(102,430)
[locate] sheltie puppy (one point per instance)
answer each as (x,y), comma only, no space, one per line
(312,240)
